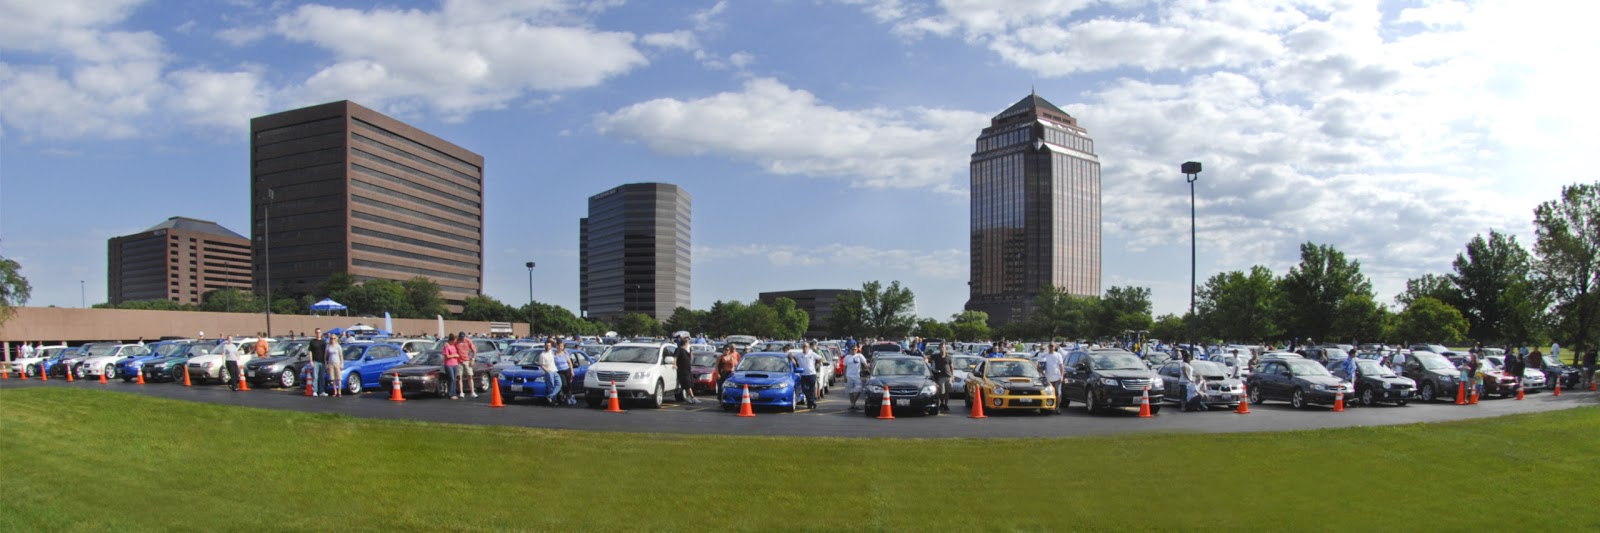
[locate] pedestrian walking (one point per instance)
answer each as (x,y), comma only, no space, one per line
(1513,364)
(939,361)
(452,366)
(318,350)
(469,355)
(1053,370)
(230,357)
(855,374)
(335,362)
(564,369)
(685,370)
(725,366)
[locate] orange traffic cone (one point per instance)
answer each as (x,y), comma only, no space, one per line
(1558,388)
(1461,394)
(311,387)
(886,411)
(1474,399)
(977,404)
(244,384)
(1594,385)
(1338,402)
(138,374)
(5,372)
(613,405)
(185,375)
(1244,401)
(394,391)
(44,374)
(494,393)
(25,374)
(1144,404)
(1519,390)
(744,405)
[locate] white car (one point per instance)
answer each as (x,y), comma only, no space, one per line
(209,363)
(641,370)
(963,365)
(103,358)
(32,363)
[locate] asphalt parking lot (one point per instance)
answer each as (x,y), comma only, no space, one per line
(831,418)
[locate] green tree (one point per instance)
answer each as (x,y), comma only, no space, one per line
(847,318)
(374,297)
(556,320)
(1360,319)
(288,306)
(932,328)
(336,283)
(882,312)
(1315,290)
(1433,285)
(1484,275)
(423,299)
(722,319)
(485,308)
(1240,307)
(762,321)
(1123,309)
(1429,320)
(685,319)
(1567,247)
(1169,328)
(636,324)
(792,321)
(230,300)
(159,304)
(1057,313)
(970,326)
(14,288)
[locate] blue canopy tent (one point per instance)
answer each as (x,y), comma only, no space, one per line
(327,305)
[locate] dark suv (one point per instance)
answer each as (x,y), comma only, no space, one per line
(1376,383)
(910,383)
(1434,374)
(1103,379)
(1300,381)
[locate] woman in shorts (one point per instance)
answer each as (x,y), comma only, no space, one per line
(335,364)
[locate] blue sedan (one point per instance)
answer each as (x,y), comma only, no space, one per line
(771,378)
(127,367)
(365,362)
(527,378)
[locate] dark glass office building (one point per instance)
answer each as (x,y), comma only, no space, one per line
(178,260)
(633,252)
(1035,210)
(356,191)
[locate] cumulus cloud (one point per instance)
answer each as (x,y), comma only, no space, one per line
(947,264)
(790,131)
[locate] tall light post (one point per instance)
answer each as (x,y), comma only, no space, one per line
(1192,170)
(530,299)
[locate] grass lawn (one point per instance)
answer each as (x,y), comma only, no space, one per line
(105,461)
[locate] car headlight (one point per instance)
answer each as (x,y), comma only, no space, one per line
(780,385)
(1157,384)
(999,389)
(930,390)
(702,376)
(1108,382)
(875,389)
(641,374)
(1320,386)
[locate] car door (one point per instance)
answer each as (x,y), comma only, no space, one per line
(1171,378)
(580,366)
(974,376)
(1274,381)
(669,374)
(1077,376)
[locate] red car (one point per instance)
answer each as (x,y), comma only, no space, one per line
(704,366)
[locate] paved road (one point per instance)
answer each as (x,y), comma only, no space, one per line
(831,419)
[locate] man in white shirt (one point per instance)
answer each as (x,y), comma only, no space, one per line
(1052,374)
(805,361)
(230,356)
(26,350)
(552,377)
(854,383)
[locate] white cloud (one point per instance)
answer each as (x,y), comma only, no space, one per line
(679,40)
(945,264)
(789,131)
(242,35)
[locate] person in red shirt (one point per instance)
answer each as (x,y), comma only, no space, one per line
(468,354)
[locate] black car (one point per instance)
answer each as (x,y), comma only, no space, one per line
(1554,370)
(285,368)
(909,381)
(1434,374)
(426,373)
(1299,381)
(1377,383)
(1109,378)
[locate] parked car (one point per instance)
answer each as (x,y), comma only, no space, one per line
(171,367)
(1221,388)
(128,368)
(1326,356)
(365,363)
(963,366)
(1533,380)
(769,376)
(210,365)
(1434,374)
(62,363)
(704,368)
(487,351)
(909,382)
(32,364)
(284,365)
(1105,379)
(641,371)
(1010,383)
(1301,382)
(526,377)
(415,347)
(1376,383)
(1555,370)
(425,373)
(103,358)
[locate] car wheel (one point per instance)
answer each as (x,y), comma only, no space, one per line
(728,407)
(1428,394)
(794,398)
(1298,399)
(353,383)
(659,397)
(1089,403)
(289,378)
(110,372)
(480,383)
(1366,398)
(1155,409)
(968,398)
(1255,395)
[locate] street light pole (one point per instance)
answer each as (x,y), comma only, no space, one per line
(530,299)
(1192,170)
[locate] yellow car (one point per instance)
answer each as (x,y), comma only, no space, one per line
(1010,383)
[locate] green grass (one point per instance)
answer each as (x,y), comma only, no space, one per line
(103,461)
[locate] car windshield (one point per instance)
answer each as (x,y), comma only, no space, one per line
(1551,360)
(964,363)
(293,348)
(96,350)
(899,366)
(429,358)
(1335,354)
(703,359)
(1208,369)
(1158,358)
(1115,361)
(1307,368)
(1433,361)
(631,354)
(353,351)
(170,349)
(1493,363)
(1372,368)
(201,349)
(764,363)
(1011,369)
(528,356)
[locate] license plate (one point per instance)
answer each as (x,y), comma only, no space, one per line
(250,374)
(1229,397)
(902,403)
(1405,393)
(1026,402)
(516,388)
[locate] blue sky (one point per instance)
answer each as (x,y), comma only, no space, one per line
(824,143)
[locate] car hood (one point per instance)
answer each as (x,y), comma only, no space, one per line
(1126,374)
(620,367)
(902,381)
(1395,380)
(524,370)
(698,369)
(416,370)
(761,378)
(1320,380)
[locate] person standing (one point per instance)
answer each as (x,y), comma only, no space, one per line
(318,355)
(469,355)
(552,379)
(1513,366)
(261,346)
(1193,394)
(939,362)
(230,358)
(1053,370)
(681,361)
(564,369)
(725,367)
(335,361)
(804,363)
(1535,362)
(452,367)
(855,374)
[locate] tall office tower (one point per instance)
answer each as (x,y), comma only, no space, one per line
(179,260)
(351,190)
(633,251)
(1035,210)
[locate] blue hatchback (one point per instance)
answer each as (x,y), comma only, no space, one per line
(365,362)
(527,378)
(769,375)
(127,367)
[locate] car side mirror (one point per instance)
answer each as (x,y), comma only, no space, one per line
(669,360)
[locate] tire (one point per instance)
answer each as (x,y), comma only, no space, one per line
(110,372)
(1155,410)
(1297,400)
(480,383)
(593,400)
(726,407)
(1367,398)
(1089,403)
(794,397)
(968,399)
(659,397)
(353,383)
(1429,395)
(289,378)
(1255,396)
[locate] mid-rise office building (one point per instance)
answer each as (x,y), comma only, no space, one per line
(351,190)
(817,303)
(633,252)
(1035,210)
(178,260)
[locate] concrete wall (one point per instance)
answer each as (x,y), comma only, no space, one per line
(54,325)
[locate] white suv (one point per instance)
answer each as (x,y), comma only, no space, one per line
(641,370)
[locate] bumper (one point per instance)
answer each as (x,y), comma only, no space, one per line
(770,397)
(1327,397)
(1392,395)
(707,386)
(262,375)
(625,393)
(1009,401)
(910,403)
(1120,397)
(407,386)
